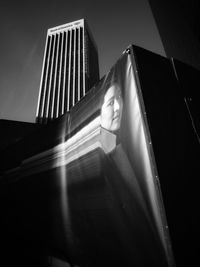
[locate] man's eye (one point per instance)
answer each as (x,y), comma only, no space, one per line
(111,103)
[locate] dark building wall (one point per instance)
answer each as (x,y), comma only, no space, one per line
(178,25)
(92,73)
(13,131)
(188,79)
(176,145)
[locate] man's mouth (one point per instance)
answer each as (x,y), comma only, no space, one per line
(116,118)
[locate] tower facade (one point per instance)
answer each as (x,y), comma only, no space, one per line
(70,69)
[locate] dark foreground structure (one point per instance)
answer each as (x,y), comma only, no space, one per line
(80,192)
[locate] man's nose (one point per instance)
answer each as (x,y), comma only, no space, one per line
(116,105)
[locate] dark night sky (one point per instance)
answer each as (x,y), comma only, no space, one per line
(24,24)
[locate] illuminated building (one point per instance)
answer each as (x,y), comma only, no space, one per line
(70,69)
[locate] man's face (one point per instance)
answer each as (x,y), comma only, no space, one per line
(111,111)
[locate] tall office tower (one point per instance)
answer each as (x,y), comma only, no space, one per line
(70,69)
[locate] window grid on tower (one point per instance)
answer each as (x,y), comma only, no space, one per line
(55,75)
(44,79)
(69,71)
(67,75)
(60,96)
(83,65)
(64,71)
(52,85)
(49,78)
(57,84)
(63,74)
(74,68)
(79,64)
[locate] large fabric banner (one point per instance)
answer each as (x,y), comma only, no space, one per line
(135,181)
(136,150)
(128,227)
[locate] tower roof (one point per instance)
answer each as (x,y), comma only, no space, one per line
(67,26)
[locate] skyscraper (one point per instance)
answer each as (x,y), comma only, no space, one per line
(70,69)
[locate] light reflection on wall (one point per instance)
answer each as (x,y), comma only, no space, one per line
(65,209)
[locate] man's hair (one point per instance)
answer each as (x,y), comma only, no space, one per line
(111,79)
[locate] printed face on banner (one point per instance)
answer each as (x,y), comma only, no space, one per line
(111,111)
